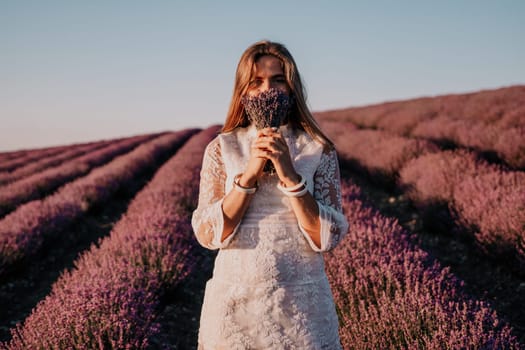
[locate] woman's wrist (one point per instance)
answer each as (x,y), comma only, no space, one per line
(241,188)
(247,180)
(299,189)
(291,181)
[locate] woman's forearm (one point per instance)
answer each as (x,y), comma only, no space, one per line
(235,205)
(305,208)
(307,212)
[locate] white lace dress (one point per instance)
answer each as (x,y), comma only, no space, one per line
(269,289)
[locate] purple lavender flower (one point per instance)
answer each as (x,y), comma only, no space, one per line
(267,109)
(112,298)
(391,294)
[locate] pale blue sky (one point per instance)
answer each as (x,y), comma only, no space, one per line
(76,71)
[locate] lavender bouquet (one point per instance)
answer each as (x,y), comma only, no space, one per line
(268,109)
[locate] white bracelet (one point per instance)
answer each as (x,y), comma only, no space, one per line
(292,191)
(243,189)
(292,188)
(298,193)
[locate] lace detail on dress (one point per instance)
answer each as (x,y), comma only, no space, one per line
(207,219)
(327,179)
(293,317)
(327,193)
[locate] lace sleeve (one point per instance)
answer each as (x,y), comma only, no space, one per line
(327,193)
(208,219)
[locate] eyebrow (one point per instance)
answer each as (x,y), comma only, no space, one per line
(271,77)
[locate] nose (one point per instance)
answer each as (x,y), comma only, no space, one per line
(266,85)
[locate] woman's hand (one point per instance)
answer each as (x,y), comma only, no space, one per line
(255,166)
(271,145)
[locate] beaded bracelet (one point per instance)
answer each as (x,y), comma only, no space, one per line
(241,188)
(292,191)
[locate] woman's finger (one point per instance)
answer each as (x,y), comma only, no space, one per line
(269,142)
(268,132)
(260,154)
(258,150)
(265,131)
(272,136)
(272,149)
(276,144)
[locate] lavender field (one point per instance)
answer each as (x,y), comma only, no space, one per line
(97,251)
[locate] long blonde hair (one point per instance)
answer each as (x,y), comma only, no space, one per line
(300,117)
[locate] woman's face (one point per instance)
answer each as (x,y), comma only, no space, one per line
(268,74)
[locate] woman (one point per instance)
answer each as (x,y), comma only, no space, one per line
(270,200)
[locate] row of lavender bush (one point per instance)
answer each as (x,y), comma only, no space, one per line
(507,144)
(44,162)
(391,295)
(6,156)
(492,122)
(42,183)
(41,151)
(503,108)
(111,300)
(23,232)
(377,153)
(485,201)
(14,160)
(9,161)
